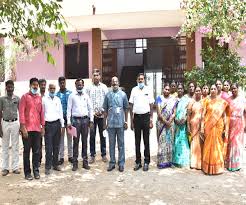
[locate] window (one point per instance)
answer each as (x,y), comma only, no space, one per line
(140,45)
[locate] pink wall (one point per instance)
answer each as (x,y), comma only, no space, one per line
(40,68)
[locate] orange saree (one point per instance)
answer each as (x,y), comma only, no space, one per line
(195,117)
(213,122)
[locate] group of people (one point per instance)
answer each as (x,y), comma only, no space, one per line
(200,130)
(203,129)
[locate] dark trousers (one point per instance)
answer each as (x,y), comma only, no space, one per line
(52,143)
(141,125)
(98,122)
(40,150)
(82,127)
(32,142)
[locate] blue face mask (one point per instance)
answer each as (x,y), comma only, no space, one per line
(51,94)
(34,91)
(141,85)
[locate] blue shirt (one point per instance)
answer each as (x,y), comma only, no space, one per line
(115,104)
(64,98)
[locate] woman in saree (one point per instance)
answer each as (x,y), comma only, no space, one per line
(237,112)
(194,118)
(215,131)
(166,105)
(181,154)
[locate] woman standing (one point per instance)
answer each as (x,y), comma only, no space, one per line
(226,94)
(181,154)
(165,130)
(194,118)
(215,130)
(236,130)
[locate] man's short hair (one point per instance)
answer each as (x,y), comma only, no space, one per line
(140,75)
(33,80)
(9,82)
(41,81)
(79,79)
(60,79)
(96,70)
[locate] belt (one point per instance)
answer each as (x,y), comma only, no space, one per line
(50,122)
(142,114)
(10,120)
(80,118)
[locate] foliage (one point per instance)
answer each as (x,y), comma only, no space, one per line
(32,21)
(219,63)
(224,20)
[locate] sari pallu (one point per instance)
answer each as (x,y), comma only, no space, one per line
(181,152)
(164,134)
(234,157)
(213,159)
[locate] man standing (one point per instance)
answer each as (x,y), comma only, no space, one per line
(80,115)
(141,111)
(9,128)
(32,128)
(97,92)
(63,94)
(54,121)
(115,106)
(42,88)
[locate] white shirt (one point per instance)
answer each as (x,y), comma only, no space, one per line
(97,94)
(141,99)
(52,109)
(79,106)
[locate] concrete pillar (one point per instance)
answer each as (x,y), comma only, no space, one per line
(190,52)
(96,49)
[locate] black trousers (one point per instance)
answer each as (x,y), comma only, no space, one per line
(52,143)
(82,127)
(97,122)
(40,150)
(32,142)
(141,125)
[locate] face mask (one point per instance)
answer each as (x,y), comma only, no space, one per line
(80,90)
(34,91)
(51,95)
(141,85)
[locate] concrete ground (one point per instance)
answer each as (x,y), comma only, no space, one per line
(97,186)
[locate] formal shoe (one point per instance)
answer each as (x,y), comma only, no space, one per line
(36,176)
(110,168)
(104,159)
(16,171)
(57,168)
(28,177)
(61,161)
(70,159)
(5,172)
(146,167)
(47,171)
(137,167)
(91,160)
(86,166)
(75,167)
(121,168)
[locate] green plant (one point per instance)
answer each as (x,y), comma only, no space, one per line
(219,63)
(33,21)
